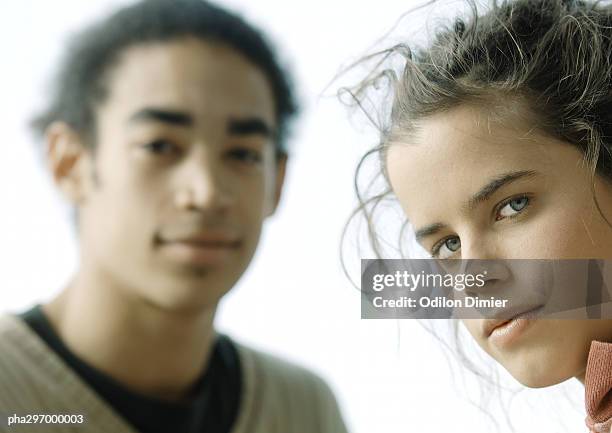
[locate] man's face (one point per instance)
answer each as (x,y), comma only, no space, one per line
(184,173)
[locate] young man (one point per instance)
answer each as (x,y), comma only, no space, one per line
(167,134)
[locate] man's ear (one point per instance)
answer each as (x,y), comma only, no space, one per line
(281,166)
(69,161)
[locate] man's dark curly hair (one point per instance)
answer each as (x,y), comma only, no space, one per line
(81,82)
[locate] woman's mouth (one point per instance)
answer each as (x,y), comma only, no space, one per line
(504,332)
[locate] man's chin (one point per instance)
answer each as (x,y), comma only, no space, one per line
(187,297)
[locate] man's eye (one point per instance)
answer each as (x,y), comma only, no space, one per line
(245,155)
(512,207)
(446,248)
(161,147)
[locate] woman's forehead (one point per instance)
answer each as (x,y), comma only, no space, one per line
(455,141)
(453,154)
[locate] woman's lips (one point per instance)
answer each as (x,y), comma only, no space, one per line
(505,332)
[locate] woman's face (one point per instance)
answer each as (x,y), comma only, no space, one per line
(475,186)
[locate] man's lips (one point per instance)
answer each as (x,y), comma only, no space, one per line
(201,249)
(199,243)
(204,240)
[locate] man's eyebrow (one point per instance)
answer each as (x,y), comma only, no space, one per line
(482,195)
(162,115)
(248,126)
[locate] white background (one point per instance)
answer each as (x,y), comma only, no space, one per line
(294,300)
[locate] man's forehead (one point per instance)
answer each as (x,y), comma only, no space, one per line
(190,74)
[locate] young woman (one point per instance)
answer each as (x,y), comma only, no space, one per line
(499,145)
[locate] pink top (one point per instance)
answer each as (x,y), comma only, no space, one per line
(598,388)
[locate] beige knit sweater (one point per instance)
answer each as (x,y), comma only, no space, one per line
(277,397)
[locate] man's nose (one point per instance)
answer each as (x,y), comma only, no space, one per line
(202,186)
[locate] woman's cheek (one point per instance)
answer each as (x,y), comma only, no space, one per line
(473,326)
(555,235)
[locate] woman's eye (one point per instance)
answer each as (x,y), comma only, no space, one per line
(245,155)
(512,207)
(161,147)
(446,248)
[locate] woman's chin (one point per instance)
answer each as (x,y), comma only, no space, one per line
(532,381)
(535,372)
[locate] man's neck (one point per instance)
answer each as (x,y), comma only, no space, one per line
(147,349)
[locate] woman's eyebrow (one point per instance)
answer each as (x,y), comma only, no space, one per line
(482,195)
(493,185)
(428,230)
